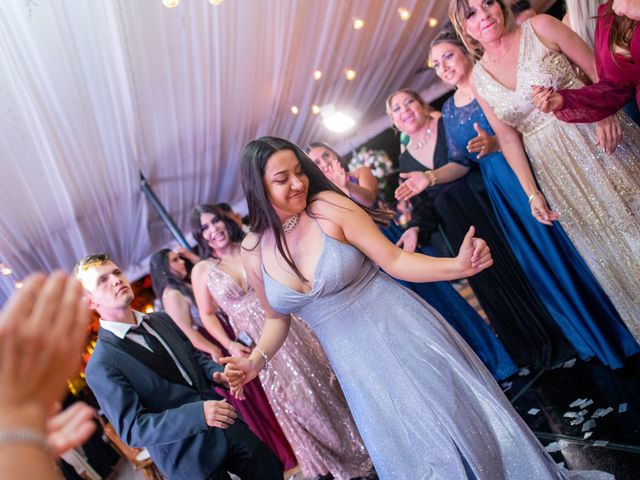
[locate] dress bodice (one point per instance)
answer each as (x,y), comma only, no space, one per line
(341,272)
(537,65)
(458,123)
(227,293)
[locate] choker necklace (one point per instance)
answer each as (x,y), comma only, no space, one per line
(291,224)
(424,141)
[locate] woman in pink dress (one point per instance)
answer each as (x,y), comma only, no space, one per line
(302,389)
(617,56)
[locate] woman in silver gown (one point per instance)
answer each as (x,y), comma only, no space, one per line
(425,405)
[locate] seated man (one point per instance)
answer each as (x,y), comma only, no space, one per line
(156,389)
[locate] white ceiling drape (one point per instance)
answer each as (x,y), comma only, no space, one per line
(93,91)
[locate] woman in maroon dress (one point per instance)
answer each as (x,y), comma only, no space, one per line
(617,56)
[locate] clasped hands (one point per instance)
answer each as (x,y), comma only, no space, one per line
(608,130)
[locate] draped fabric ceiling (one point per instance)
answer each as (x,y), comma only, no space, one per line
(92,92)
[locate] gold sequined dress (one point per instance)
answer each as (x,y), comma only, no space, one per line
(596,195)
(301,386)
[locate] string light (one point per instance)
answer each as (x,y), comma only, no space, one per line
(433,22)
(317,75)
(404,13)
(19,285)
(170,3)
(315,109)
(215,2)
(350,74)
(358,23)
(295,110)
(148,309)
(5,270)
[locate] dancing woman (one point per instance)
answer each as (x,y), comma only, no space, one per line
(424,403)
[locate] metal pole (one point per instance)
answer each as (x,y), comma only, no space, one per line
(164,215)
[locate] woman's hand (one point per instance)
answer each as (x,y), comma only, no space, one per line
(237,349)
(337,174)
(546,99)
(240,371)
(474,254)
(187,255)
(43,328)
(409,239)
(483,144)
(609,133)
(540,210)
(415,183)
(70,428)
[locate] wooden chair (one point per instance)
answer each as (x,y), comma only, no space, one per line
(139,462)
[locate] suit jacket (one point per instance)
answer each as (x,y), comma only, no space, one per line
(154,411)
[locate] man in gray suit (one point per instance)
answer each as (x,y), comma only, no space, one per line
(157,390)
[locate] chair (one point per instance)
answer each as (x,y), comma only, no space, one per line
(139,457)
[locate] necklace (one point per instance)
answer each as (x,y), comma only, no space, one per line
(504,54)
(424,141)
(291,224)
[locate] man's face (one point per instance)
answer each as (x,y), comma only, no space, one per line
(107,287)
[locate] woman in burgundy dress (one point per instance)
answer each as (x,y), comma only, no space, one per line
(617,56)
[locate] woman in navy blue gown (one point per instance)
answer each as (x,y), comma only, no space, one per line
(440,295)
(554,268)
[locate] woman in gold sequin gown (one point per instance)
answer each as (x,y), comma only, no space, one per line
(594,194)
(301,386)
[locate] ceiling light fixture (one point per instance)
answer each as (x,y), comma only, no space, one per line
(404,13)
(334,120)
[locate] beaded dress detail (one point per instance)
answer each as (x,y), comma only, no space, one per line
(302,389)
(596,195)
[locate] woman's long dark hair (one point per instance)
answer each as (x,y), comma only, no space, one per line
(233,229)
(262,214)
(162,276)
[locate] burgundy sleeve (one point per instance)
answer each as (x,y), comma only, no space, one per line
(594,102)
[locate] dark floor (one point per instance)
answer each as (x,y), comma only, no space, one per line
(614,442)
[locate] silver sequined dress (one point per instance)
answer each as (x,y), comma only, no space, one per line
(596,195)
(302,389)
(425,405)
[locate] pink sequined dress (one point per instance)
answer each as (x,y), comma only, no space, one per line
(302,389)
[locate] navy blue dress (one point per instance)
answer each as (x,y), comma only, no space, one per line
(554,268)
(515,312)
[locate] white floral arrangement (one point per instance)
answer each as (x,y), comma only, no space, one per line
(377,160)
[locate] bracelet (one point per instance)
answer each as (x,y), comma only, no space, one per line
(264,357)
(533,195)
(24,435)
(433,179)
